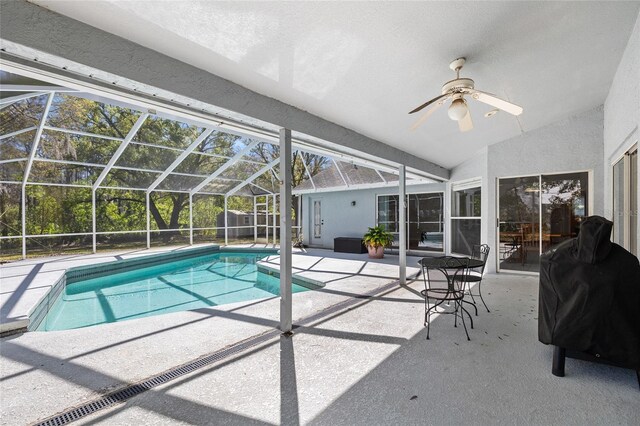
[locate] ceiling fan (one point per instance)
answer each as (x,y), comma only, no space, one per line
(458,110)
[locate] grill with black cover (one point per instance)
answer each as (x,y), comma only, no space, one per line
(590,299)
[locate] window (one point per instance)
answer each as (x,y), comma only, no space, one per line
(465,219)
(388,213)
(246,220)
(425,219)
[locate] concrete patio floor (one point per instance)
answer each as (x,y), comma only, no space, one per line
(367,364)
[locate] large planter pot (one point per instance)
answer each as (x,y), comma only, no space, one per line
(376,252)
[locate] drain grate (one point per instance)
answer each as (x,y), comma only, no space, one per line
(130,391)
(121,395)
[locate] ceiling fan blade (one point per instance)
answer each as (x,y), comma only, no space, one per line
(426,104)
(495,102)
(465,124)
(428,113)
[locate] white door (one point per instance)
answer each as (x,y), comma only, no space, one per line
(316,223)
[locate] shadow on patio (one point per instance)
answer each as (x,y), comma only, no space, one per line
(367,364)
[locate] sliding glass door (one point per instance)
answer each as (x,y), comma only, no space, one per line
(519,220)
(625,201)
(536,213)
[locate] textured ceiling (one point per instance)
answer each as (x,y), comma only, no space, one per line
(365,65)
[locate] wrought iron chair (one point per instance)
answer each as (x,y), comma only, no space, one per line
(455,270)
(480,252)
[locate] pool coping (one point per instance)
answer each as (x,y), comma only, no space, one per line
(28,283)
(310,283)
(74,274)
(80,273)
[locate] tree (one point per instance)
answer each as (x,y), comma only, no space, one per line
(120,201)
(314,164)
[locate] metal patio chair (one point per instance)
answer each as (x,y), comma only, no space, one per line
(475,275)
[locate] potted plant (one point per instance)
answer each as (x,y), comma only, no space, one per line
(376,239)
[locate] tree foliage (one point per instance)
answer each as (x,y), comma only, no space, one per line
(66,208)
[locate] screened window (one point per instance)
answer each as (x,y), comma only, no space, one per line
(96,174)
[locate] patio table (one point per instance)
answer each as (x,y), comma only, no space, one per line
(448,265)
(444,264)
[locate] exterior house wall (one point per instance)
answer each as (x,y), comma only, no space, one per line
(572,144)
(341,219)
(622,116)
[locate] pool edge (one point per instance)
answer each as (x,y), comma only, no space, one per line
(34,318)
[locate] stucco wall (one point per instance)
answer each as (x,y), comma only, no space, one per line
(572,144)
(341,219)
(622,116)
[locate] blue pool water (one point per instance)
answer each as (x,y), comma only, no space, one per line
(197,282)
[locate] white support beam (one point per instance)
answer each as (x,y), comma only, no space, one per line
(286,272)
(255,220)
(266,218)
(205,134)
(226,222)
(27,170)
(120,150)
(190,219)
(335,163)
(148,204)
(402,193)
(18,132)
(93,220)
(254,176)
(5,102)
(261,188)
(233,160)
(34,88)
(306,169)
(273,220)
(325,152)
(393,184)
(36,139)
(380,174)
(23,200)
(81,133)
(299,220)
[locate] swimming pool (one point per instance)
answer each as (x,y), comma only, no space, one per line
(161,287)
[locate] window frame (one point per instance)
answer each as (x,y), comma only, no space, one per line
(443,193)
(463,186)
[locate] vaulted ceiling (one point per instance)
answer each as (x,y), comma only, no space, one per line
(364,65)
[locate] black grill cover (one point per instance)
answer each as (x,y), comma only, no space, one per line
(590,296)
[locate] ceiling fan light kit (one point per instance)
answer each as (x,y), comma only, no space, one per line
(458,110)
